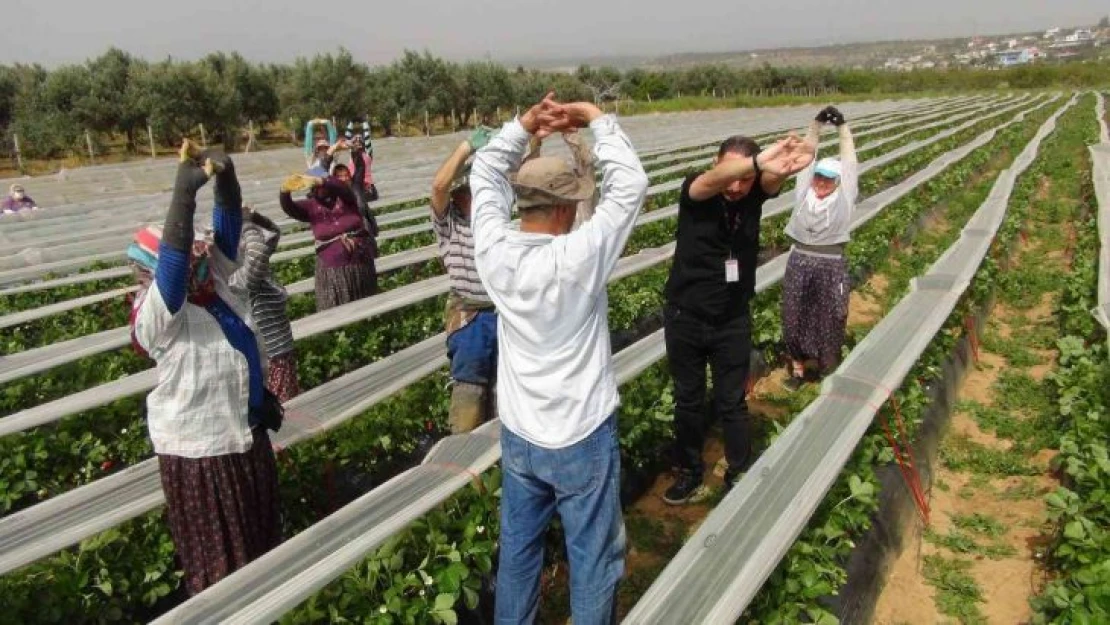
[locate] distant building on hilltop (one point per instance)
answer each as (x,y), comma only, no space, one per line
(1009,58)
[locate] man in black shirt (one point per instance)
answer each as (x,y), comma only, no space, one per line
(707,318)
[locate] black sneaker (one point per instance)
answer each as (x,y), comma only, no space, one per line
(686,484)
(793,383)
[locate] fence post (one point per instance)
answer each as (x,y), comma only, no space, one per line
(518,110)
(293,129)
(474,118)
(203,136)
(18,153)
(427,126)
(453,126)
(88,142)
(250,135)
(150,135)
(398,121)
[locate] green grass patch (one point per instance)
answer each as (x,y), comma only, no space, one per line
(1025,490)
(1016,353)
(983,524)
(957,595)
(961,542)
(959,453)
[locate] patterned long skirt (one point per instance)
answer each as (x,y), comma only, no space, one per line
(338,285)
(282,377)
(815,295)
(223,511)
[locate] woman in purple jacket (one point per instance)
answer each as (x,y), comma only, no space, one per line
(344,248)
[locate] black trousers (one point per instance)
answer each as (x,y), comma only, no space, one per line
(692,344)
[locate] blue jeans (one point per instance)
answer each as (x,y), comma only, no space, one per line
(472,350)
(581,483)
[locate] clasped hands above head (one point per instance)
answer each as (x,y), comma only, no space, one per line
(550,116)
(786,156)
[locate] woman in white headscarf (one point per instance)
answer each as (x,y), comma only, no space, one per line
(816,286)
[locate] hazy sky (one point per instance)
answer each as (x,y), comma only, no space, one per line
(376,31)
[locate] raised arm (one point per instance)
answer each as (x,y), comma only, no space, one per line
(297,209)
(309,142)
(782,159)
(227,213)
(172,273)
(359,159)
(813,137)
(490,185)
(716,180)
(772,183)
(849,165)
(453,166)
(441,184)
(594,249)
(259,243)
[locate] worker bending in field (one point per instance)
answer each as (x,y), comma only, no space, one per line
(816,286)
(557,389)
(17,200)
(470,318)
(707,316)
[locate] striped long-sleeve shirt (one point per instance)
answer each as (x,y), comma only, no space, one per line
(456,248)
(267,297)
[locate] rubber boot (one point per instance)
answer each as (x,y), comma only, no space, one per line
(468,407)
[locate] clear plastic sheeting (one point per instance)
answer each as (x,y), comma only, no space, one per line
(914,121)
(33,361)
(73,516)
(1100,174)
(785,203)
(266,589)
(26,316)
(723,565)
(86,197)
(72,243)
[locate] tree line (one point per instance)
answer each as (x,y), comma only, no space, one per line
(72,108)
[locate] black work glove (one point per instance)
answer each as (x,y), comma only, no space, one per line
(836,118)
(823,116)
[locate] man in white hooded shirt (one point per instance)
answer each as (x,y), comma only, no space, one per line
(816,286)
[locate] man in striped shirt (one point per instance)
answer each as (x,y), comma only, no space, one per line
(470,318)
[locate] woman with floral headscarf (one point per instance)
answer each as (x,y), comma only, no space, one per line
(206,414)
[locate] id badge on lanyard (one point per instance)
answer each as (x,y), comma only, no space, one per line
(732,266)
